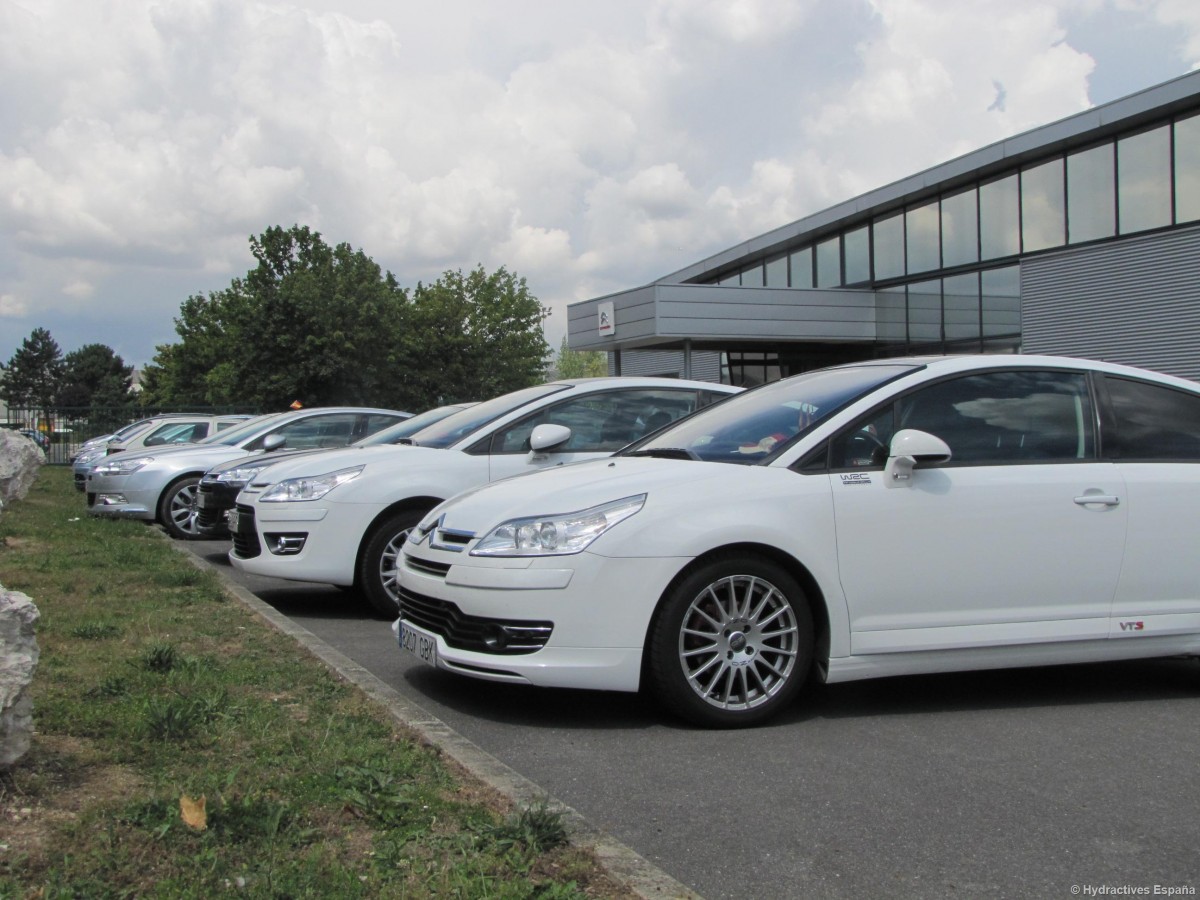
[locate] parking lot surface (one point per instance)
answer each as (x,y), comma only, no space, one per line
(1047,782)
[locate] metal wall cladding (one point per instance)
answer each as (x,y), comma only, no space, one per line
(706,364)
(1134,301)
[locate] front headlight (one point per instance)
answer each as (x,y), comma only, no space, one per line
(242,474)
(297,489)
(122,466)
(558,535)
(89,456)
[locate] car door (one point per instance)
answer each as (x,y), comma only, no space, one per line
(601,422)
(1018,538)
(1154,436)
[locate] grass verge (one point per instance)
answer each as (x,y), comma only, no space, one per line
(185,749)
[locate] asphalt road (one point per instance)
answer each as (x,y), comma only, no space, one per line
(1050,782)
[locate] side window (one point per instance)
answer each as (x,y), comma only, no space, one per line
(601,422)
(865,443)
(373,422)
(1152,422)
(1005,417)
(175,433)
(333,430)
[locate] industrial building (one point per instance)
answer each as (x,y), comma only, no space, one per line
(1079,238)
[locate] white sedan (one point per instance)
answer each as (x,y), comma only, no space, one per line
(341,517)
(884,518)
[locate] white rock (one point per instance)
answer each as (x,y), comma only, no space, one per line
(20,458)
(18,661)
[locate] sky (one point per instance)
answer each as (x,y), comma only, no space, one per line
(588,147)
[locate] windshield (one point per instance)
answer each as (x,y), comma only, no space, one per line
(411,426)
(462,424)
(749,427)
(238,433)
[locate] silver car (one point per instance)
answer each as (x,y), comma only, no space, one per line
(171,428)
(160,484)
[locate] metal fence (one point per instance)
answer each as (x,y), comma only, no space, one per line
(61,431)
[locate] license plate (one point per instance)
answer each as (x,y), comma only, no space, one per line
(421,645)
(203,500)
(231,519)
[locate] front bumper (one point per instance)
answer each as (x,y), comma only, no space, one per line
(327,538)
(576,621)
(121,497)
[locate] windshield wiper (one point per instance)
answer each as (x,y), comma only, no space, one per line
(666,453)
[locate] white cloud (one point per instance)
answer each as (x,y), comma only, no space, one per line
(589,148)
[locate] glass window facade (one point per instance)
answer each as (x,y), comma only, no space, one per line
(1144,180)
(923,237)
(800,268)
(857,250)
(945,270)
(1043,207)
(829,263)
(999,218)
(889,247)
(1187,169)
(1091,195)
(960,229)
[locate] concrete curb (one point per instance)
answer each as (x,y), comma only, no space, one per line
(623,864)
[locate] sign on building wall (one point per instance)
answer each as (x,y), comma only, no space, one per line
(607,322)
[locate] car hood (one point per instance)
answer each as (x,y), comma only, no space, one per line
(178,451)
(383,457)
(271,458)
(584,485)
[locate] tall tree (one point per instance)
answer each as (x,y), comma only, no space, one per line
(33,375)
(474,336)
(326,325)
(94,375)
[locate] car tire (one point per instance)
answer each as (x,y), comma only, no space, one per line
(732,643)
(177,509)
(377,567)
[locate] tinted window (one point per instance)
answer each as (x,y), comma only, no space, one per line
(751,427)
(1152,422)
(466,422)
(1002,417)
(601,422)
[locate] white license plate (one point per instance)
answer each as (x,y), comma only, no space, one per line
(231,519)
(421,645)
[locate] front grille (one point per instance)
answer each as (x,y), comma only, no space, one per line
(427,566)
(210,513)
(245,539)
(502,637)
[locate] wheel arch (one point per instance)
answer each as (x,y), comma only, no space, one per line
(168,487)
(793,566)
(424,504)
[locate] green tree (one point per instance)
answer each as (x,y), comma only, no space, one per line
(580,363)
(327,326)
(310,322)
(33,375)
(474,336)
(94,375)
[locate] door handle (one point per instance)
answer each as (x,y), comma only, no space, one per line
(1098,498)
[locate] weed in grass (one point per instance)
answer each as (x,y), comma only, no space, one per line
(95,631)
(177,718)
(160,658)
(534,830)
(110,686)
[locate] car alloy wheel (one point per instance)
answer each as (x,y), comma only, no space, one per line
(381,559)
(177,509)
(733,643)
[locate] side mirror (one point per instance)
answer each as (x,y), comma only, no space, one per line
(909,449)
(273,442)
(547,437)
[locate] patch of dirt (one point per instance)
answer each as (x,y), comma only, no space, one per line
(48,788)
